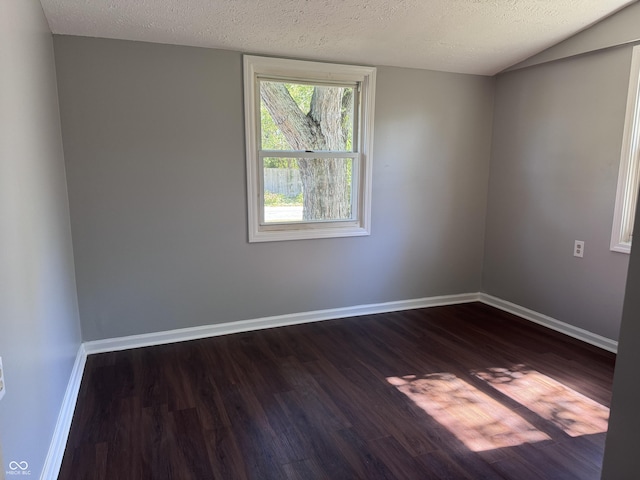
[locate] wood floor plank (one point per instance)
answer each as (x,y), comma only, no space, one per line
(362,459)
(406,395)
(225,456)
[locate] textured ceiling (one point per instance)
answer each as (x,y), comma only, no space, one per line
(468,36)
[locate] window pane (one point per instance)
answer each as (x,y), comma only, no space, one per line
(296,116)
(307,189)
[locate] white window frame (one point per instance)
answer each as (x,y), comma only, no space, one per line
(309,72)
(629,173)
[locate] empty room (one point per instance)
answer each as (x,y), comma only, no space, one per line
(288,239)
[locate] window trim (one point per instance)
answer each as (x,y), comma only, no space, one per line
(310,72)
(629,172)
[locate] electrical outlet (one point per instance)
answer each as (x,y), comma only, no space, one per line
(2,385)
(578,249)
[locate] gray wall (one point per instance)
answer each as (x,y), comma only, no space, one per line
(39,326)
(554,168)
(621,459)
(154,145)
(618,29)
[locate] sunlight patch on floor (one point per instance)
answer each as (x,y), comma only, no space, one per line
(569,410)
(476,419)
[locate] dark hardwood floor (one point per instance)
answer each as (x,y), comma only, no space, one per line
(460,392)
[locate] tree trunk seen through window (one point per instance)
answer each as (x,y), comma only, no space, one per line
(327,126)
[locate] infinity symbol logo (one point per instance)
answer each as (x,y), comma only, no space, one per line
(18,465)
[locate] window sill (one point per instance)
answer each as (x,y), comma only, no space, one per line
(306,233)
(621,248)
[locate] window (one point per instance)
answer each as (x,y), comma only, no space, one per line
(309,136)
(629,175)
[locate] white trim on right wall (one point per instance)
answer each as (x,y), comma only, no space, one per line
(549,322)
(629,173)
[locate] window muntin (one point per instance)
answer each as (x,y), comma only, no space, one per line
(312,181)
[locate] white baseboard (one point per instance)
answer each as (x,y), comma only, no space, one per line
(193,333)
(56,450)
(549,322)
(55,454)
